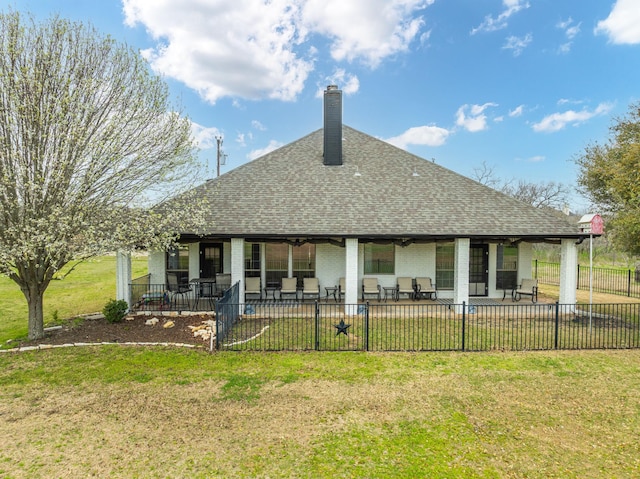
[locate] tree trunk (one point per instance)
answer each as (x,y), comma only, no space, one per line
(36,312)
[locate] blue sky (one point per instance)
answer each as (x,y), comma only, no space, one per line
(519,85)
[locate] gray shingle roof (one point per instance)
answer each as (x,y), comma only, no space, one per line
(289,192)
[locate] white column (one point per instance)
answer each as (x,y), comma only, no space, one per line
(290,262)
(123,276)
(263,264)
(351,276)
(194,260)
(461,279)
(568,272)
(237,265)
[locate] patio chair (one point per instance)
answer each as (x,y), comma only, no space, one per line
(252,286)
(311,287)
(528,287)
(341,288)
(370,286)
(223,283)
(404,285)
(289,286)
(175,288)
(426,289)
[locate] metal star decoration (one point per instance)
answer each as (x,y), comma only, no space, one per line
(342,327)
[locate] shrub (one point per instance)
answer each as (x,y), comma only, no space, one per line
(115,310)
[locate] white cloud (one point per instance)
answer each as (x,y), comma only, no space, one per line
(273,145)
(204,137)
(491,24)
(532,159)
(517,111)
(570,31)
(623,23)
(517,44)
(557,121)
(256,125)
(472,117)
(420,135)
(348,83)
(370,30)
(249,49)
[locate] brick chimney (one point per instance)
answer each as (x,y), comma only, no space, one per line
(332,126)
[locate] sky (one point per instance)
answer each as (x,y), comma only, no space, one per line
(519,86)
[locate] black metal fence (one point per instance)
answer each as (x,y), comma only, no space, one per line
(625,282)
(430,327)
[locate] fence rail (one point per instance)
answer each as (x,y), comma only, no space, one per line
(624,282)
(430,327)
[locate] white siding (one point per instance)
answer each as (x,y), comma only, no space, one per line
(330,264)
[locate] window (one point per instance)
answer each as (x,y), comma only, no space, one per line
(304,261)
(507,267)
(252,260)
(445,265)
(379,258)
(277,263)
(178,262)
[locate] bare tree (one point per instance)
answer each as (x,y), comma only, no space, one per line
(541,195)
(87,140)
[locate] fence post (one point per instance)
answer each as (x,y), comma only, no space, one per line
(629,284)
(557,332)
(464,308)
(217,323)
(317,335)
(366,326)
(536,268)
(578,284)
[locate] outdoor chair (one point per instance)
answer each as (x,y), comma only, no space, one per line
(310,287)
(223,283)
(528,287)
(404,285)
(289,286)
(426,289)
(341,288)
(252,286)
(175,288)
(370,286)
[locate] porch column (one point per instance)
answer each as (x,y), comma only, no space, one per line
(237,265)
(290,262)
(123,276)
(568,272)
(461,279)
(351,276)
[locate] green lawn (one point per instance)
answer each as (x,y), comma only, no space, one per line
(116,411)
(84,290)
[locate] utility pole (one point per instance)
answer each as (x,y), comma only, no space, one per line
(219,141)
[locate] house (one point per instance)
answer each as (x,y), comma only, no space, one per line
(339,203)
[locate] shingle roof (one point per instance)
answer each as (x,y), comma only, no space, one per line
(290,192)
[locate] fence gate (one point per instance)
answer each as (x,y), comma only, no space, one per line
(336,331)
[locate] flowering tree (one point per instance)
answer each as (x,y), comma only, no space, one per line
(87,141)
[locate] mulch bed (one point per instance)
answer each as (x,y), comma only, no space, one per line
(96,329)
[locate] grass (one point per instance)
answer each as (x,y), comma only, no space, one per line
(118,411)
(85,290)
(135,412)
